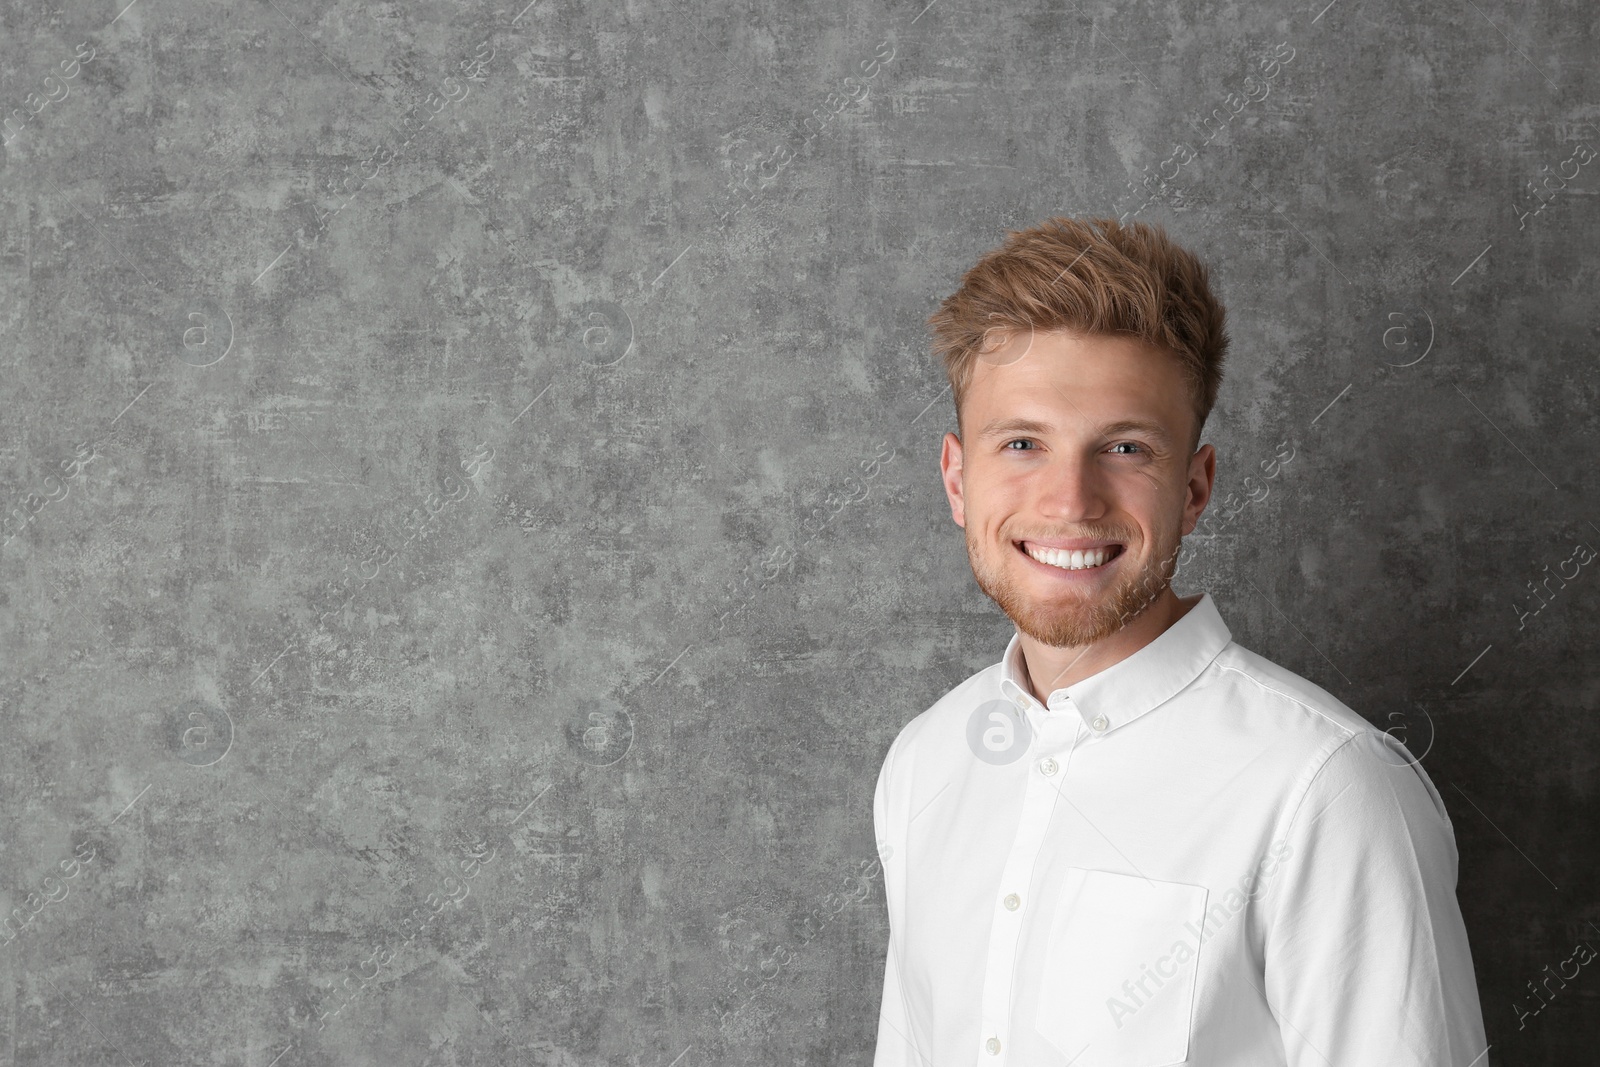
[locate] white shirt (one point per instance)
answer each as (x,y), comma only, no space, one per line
(1192,857)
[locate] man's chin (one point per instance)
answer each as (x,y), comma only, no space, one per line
(1068,619)
(1066,628)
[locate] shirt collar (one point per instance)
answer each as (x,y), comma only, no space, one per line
(1130,687)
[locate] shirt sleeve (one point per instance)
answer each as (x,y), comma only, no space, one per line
(896,1045)
(1366,956)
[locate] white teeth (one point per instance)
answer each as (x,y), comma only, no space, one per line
(1072,561)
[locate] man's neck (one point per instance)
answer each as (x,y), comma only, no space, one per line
(1056,668)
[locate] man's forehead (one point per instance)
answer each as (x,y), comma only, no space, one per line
(1139,385)
(1039,393)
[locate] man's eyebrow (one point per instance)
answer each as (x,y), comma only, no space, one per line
(1144,426)
(1007,427)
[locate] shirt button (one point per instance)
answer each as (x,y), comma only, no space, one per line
(1048,766)
(993,1045)
(1013,902)
(1099,722)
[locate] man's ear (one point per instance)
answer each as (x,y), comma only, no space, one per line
(950,469)
(1202,478)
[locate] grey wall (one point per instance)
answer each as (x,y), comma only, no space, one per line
(522,500)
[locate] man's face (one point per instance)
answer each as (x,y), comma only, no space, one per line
(1075,443)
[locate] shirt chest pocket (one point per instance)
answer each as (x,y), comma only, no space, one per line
(1117,987)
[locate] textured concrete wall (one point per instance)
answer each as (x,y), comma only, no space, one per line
(470,475)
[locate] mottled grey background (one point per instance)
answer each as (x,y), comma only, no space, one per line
(473,516)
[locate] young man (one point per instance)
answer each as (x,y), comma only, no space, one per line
(1131,842)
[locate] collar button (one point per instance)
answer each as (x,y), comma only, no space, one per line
(1099,722)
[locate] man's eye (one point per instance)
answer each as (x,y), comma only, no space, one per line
(1129,444)
(1019,441)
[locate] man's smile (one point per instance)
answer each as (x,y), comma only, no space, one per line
(1077,555)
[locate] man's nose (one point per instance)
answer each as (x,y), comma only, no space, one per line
(1071,489)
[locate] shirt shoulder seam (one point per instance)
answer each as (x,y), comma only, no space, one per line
(1291,699)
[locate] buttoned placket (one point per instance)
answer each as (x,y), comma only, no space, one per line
(1055,733)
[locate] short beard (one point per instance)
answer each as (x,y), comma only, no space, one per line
(1075,625)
